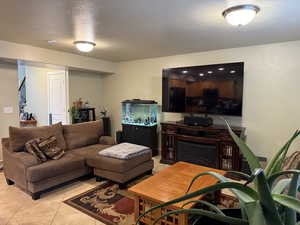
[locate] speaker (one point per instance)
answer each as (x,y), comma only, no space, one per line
(106,126)
(198,121)
(119,136)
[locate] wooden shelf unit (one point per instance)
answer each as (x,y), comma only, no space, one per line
(229,157)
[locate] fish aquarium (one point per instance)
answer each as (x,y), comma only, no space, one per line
(139,112)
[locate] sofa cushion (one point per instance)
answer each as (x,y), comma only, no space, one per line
(117,165)
(19,136)
(89,152)
(53,168)
(82,134)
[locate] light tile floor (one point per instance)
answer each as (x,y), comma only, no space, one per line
(17,207)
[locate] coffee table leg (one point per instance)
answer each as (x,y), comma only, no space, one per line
(183,219)
(136,208)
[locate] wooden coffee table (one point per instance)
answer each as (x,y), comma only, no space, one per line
(167,185)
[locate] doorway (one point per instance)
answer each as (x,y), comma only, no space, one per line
(57,97)
(43,96)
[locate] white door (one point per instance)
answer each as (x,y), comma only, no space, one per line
(57,97)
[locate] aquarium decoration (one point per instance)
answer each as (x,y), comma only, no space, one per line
(139,112)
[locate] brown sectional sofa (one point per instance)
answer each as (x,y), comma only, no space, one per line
(81,143)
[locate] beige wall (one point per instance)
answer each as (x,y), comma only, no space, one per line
(88,86)
(8,97)
(16,51)
(271,93)
(271,89)
(37,92)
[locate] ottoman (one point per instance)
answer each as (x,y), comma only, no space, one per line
(121,170)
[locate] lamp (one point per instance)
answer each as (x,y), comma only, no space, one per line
(241,14)
(84,46)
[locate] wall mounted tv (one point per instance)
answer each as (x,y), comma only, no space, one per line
(210,89)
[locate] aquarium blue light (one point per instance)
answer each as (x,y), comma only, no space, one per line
(139,114)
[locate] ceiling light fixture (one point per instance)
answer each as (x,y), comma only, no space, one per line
(201,74)
(185,71)
(241,14)
(51,41)
(221,69)
(84,46)
(210,72)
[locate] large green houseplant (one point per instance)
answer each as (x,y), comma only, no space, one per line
(271,201)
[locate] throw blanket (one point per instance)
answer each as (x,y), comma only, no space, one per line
(124,151)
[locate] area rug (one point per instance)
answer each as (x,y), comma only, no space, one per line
(105,203)
(112,206)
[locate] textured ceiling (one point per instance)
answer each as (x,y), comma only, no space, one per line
(136,29)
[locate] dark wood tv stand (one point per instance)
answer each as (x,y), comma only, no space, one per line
(217,137)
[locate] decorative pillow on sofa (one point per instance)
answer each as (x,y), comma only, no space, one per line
(32,147)
(49,147)
(19,136)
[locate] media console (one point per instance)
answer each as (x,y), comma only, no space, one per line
(207,146)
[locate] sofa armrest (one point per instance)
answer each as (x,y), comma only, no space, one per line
(107,140)
(5,143)
(16,164)
(23,158)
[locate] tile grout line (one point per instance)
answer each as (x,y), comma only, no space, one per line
(56,212)
(8,221)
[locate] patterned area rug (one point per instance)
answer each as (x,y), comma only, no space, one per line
(105,203)
(112,206)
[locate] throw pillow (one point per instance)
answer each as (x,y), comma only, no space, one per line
(32,147)
(49,147)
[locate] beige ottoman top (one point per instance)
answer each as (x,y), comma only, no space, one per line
(118,165)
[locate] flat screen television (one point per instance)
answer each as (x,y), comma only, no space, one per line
(210,89)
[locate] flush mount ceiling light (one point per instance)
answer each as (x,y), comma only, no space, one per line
(51,41)
(84,46)
(240,15)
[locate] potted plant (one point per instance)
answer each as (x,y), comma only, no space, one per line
(271,201)
(103,112)
(75,113)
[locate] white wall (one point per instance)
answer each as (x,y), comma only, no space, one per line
(271,89)
(37,92)
(8,97)
(88,86)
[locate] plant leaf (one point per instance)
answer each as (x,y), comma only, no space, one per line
(218,217)
(211,206)
(281,185)
(196,220)
(211,188)
(244,175)
(255,213)
(245,150)
(274,176)
(291,216)
(242,196)
(276,162)
(266,201)
(243,210)
(288,201)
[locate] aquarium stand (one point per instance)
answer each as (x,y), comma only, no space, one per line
(141,135)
